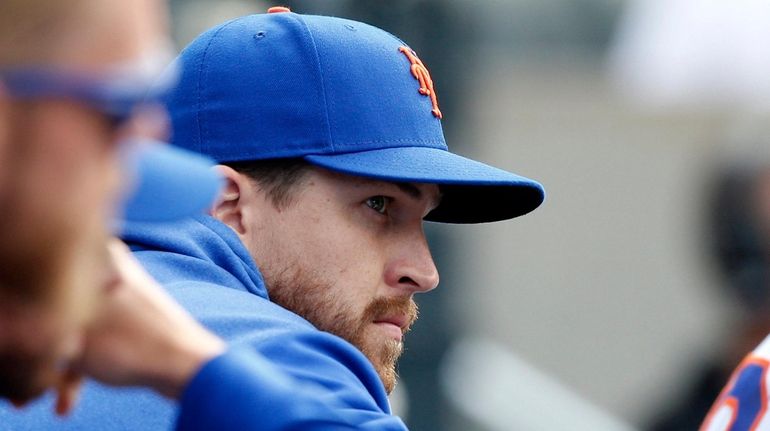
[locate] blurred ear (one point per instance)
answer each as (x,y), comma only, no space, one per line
(229,206)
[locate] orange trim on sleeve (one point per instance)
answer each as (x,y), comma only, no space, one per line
(732,403)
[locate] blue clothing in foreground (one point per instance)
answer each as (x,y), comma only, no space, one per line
(206,268)
(241,390)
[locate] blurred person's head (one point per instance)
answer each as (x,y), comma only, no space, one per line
(739,229)
(60,173)
(738,234)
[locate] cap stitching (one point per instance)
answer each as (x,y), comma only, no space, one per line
(313,151)
(385,141)
(323,82)
(198,115)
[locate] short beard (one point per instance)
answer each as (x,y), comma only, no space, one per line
(310,298)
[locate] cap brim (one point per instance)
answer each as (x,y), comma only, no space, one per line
(473,192)
(170,183)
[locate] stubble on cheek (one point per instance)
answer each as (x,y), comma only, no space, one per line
(313,299)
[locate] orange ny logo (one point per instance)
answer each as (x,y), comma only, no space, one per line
(421,74)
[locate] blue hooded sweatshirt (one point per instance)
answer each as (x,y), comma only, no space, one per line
(281,373)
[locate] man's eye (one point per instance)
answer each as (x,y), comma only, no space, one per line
(378,203)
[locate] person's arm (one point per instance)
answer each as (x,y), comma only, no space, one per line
(141,336)
(241,390)
(246,389)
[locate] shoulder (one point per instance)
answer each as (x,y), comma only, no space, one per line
(259,393)
(235,314)
(321,358)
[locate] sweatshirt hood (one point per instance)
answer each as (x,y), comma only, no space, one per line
(204,249)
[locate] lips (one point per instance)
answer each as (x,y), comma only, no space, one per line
(399,320)
(392,316)
(394,326)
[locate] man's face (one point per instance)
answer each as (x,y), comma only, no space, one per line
(348,254)
(59,185)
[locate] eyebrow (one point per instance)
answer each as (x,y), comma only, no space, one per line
(415,192)
(410,190)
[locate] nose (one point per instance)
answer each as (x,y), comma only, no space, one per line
(412,268)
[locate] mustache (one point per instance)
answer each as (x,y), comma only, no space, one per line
(384,307)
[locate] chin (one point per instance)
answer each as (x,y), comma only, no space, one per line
(383,357)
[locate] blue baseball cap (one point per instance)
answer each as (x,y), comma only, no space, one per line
(340,94)
(166,183)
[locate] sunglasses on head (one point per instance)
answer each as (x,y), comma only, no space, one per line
(117,94)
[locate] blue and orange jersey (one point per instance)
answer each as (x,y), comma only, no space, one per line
(742,405)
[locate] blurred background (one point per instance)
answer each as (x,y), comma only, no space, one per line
(625,300)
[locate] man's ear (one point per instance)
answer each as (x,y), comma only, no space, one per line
(229,208)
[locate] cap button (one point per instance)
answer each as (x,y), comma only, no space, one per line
(278,9)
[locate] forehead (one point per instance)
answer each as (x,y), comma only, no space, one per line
(106,32)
